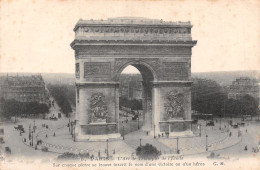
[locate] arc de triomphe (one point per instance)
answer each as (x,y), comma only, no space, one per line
(160,50)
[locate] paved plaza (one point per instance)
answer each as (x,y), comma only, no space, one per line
(218,140)
(58,139)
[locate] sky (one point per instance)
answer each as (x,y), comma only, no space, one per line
(35,35)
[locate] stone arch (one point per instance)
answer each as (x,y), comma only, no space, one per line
(143,67)
(163,61)
(148,76)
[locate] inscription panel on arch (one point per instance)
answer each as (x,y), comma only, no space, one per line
(176,69)
(97,69)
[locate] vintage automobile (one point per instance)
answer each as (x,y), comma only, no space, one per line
(2,140)
(7,150)
(210,123)
(53,118)
(135,117)
(235,126)
(241,124)
(195,121)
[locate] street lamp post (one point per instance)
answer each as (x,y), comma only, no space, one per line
(178,145)
(138,121)
(34,125)
(206,142)
(258,113)
(200,129)
(123,132)
(75,131)
(206,119)
(69,125)
(32,138)
(107,149)
(154,131)
(220,124)
(30,132)
(71,129)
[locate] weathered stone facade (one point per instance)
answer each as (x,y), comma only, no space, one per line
(242,86)
(24,88)
(161,51)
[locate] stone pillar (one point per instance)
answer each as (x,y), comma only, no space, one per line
(83,107)
(77,118)
(147,113)
(156,109)
(117,107)
(188,104)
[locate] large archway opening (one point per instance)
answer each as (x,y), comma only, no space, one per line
(135,98)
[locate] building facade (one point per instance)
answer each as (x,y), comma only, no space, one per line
(24,88)
(242,86)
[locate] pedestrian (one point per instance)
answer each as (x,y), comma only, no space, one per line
(98,153)
(162,134)
(46,135)
(246,130)
(54,134)
(230,134)
(246,148)
(147,133)
(238,133)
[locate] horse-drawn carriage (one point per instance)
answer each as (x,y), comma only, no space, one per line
(195,121)
(210,123)
(20,128)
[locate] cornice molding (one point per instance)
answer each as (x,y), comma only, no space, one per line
(133,42)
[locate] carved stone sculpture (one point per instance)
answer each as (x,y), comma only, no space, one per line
(98,108)
(174,105)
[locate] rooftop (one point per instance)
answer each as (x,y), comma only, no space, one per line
(131,21)
(34,80)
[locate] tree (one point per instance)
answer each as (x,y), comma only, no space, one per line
(60,94)
(136,105)
(12,107)
(147,152)
(68,156)
(233,108)
(208,97)
(249,105)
